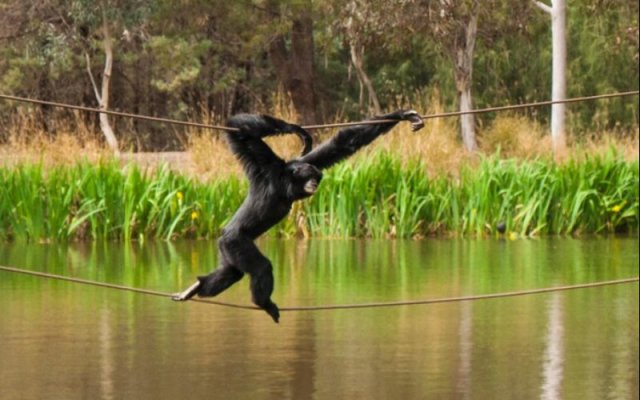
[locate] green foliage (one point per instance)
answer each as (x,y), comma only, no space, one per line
(377,197)
(179,58)
(104,202)
(177,61)
(380,198)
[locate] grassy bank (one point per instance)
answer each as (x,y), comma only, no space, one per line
(378,196)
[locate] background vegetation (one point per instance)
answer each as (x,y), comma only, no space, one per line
(335,59)
(312,61)
(378,196)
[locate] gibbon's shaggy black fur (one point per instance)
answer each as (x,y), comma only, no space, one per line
(274,184)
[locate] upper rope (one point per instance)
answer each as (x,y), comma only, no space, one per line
(322,126)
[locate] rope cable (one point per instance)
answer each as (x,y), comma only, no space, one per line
(330,306)
(311,127)
(115,113)
(322,126)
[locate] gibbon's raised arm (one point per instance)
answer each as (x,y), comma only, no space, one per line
(247,143)
(261,126)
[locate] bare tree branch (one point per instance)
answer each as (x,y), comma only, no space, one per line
(93,82)
(543,6)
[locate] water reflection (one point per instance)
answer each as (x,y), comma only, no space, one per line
(106,355)
(465,333)
(554,352)
(71,341)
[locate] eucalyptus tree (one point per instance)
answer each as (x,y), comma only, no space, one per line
(360,24)
(57,31)
(558,13)
(456,25)
(292,53)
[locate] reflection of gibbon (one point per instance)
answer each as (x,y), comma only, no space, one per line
(274,184)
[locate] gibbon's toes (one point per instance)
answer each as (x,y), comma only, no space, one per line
(178,297)
(186,294)
(273,311)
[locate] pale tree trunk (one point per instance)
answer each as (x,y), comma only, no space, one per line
(558,13)
(464,75)
(357,56)
(103,95)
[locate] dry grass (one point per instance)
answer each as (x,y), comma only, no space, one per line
(437,144)
(207,155)
(516,137)
(627,145)
(66,148)
(210,156)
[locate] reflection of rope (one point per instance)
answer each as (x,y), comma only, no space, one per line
(226,128)
(330,307)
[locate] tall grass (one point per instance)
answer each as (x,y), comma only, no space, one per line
(381,198)
(102,201)
(377,196)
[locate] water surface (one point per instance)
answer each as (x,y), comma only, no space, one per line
(60,340)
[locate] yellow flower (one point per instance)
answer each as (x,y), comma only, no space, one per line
(194,215)
(180,196)
(616,209)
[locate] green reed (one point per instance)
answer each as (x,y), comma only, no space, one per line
(377,196)
(105,202)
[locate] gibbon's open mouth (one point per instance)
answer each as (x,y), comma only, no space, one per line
(311,186)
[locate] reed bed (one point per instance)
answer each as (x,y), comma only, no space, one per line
(380,195)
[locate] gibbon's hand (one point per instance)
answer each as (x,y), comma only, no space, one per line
(416,120)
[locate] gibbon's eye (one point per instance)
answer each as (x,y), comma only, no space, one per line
(296,171)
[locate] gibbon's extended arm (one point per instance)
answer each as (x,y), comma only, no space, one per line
(349,140)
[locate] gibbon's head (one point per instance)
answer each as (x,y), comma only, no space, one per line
(303,179)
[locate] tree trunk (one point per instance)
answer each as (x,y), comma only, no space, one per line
(102,96)
(464,74)
(105,126)
(302,86)
(558,13)
(559,89)
(295,67)
(467,122)
(357,55)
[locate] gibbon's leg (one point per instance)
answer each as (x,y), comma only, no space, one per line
(212,284)
(262,288)
(216,282)
(245,256)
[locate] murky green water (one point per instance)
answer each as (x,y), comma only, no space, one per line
(67,341)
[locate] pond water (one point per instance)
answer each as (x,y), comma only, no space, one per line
(61,340)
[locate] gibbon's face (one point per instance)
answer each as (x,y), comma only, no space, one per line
(305,179)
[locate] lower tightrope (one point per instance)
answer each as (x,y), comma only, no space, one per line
(329,306)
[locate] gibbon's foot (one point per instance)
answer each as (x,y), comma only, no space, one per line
(273,311)
(188,293)
(416,120)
